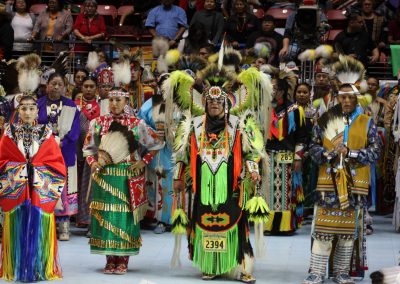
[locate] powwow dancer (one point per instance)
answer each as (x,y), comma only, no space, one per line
(32,177)
(344,143)
(218,150)
(119,199)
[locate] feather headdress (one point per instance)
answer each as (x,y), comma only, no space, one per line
(291,78)
(60,65)
(28,73)
(349,71)
(192,62)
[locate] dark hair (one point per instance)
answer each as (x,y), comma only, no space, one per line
(353,17)
(54,75)
(345,86)
(268,18)
(81,70)
(26,98)
(91,78)
(59,6)
(283,85)
(302,84)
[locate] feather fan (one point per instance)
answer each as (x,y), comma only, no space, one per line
(116,145)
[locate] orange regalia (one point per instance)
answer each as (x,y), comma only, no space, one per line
(32,177)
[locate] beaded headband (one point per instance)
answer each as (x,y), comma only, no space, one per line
(118,93)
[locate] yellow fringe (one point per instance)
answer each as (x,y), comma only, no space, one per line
(110,189)
(50,275)
(101,206)
(8,270)
(119,172)
(302,116)
(139,213)
(115,244)
(285,221)
(107,225)
(280,129)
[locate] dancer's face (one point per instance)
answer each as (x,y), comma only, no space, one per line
(28,111)
(117,104)
(89,89)
(347,100)
(303,95)
(215,107)
(55,88)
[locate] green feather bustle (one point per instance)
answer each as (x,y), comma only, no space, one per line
(258,209)
(251,79)
(179,222)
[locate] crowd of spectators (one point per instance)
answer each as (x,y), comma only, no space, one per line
(372,25)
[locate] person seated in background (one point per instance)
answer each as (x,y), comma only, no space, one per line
(303,30)
(22,23)
(53,24)
(240,24)
(205,51)
(6,35)
(374,24)
(196,39)
(394,29)
(167,20)
(89,26)
(268,36)
(356,42)
(212,20)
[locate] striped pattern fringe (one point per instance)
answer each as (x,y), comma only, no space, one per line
(29,246)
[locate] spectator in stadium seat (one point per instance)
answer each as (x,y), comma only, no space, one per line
(212,20)
(196,39)
(167,20)
(394,29)
(6,35)
(373,23)
(191,7)
(53,24)
(356,42)
(240,24)
(22,23)
(89,26)
(268,36)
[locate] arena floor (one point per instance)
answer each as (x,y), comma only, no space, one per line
(286,259)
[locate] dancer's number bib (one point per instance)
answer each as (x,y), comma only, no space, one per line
(284,158)
(214,242)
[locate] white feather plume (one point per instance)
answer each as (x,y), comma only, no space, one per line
(92,61)
(324,51)
(160,46)
(308,54)
(162,66)
(334,127)
(122,73)
(363,86)
(28,80)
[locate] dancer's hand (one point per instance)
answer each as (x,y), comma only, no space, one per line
(178,185)
(255,177)
(297,166)
(137,166)
(95,167)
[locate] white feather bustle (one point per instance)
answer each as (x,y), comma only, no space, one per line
(121,73)
(28,80)
(160,46)
(92,61)
(162,66)
(363,86)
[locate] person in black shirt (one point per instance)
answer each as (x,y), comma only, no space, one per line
(356,42)
(269,37)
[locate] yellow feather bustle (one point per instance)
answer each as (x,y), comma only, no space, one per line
(172,56)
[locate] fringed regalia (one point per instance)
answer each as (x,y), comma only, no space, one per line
(115,224)
(62,116)
(160,171)
(88,110)
(32,177)
(215,161)
(286,145)
(342,190)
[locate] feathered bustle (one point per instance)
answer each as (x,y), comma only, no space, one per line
(28,73)
(92,61)
(348,70)
(324,51)
(160,46)
(121,73)
(307,55)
